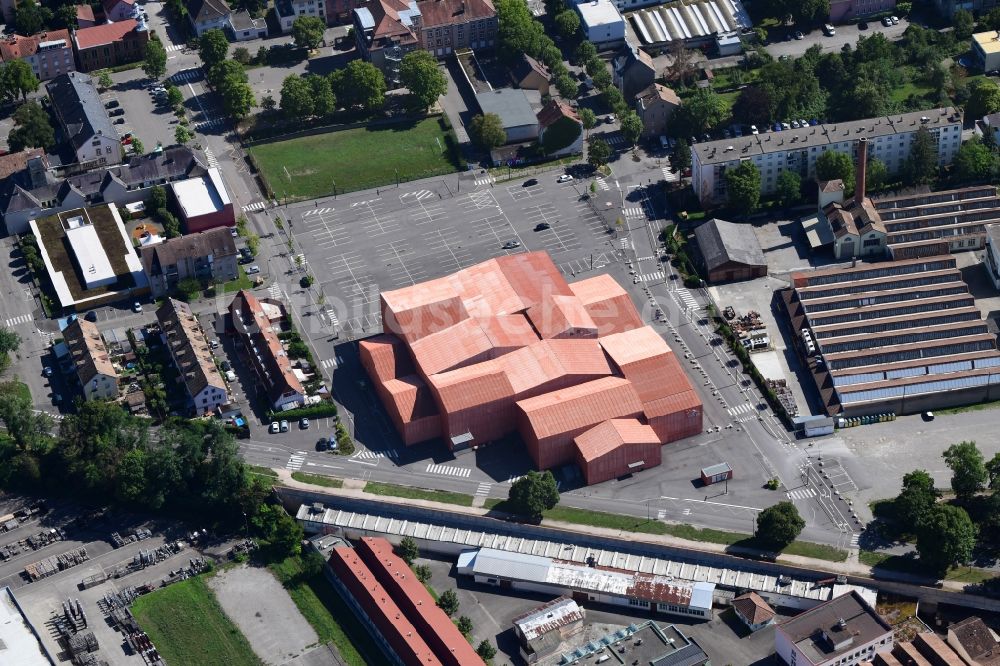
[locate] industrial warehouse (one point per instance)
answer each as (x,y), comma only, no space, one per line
(901,337)
(509,345)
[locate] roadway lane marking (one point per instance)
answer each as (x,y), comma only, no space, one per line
(698,501)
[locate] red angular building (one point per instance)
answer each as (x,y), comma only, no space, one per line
(509,345)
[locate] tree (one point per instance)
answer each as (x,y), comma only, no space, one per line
(237,98)
(789,188)
(487,132)
(701,111)
(945,537)
(743,187)
(242,55)
(921,166)
(599,152)
(155,62)
(296,97)
(137,146)
(990,20)
(171,226)
(213,47)
(993,470)
(876,175)
(420,73)
(602,79)
(448,602)
(359,84)
(614,98)
(567,22)
(182,135)
(533,493)
(104,78)
(157,199)
(984,99)
(916,499)
(189,288)
(682,154)
(32,128)
(30,17)
(323,98)
(174,96)
(974,161)
(588,118)
(422,572)
(9,342)
(18,79)
(752,106)
(585,52)
(227,70)
(408,550)
(253,244)
(281,533)
(464,625)
(780,524)
(968,471)
(486,651)
(964,24)
(307,32)
(832,165)
(267,103)
(681,68)
(632,127)
(65,17)
(567,87)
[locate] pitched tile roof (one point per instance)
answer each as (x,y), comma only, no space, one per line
(106,33)
(753,608)
(13,162)
(189,347)
(109,5)
(656,92)
(85,13)
(79,108)
(15,47)
(556,110)
(253,325)
(976,639)
(203,11)
(438,13)
(214,243)
(87,351)
(526,65)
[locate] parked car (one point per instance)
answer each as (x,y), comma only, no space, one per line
(798,34)
(886,21)
(530,182)
(253,270)
(275,427)
(321,444)
(542,226)
(862,25)
(303,424)
(121,121)
(511,244)
(754,130)
(829,30)
(284,425)
(226,366)
(894,20)
(565,178)
(112,104)
(137,307)
(47,371)
(611,118)
(91,315)
(117,112)
(230,376)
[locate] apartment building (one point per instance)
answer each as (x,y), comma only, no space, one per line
(49,53)
(84,120)
(189,350)
(110,44)
(207,256)
(91,361)
(289,10)
(889,140)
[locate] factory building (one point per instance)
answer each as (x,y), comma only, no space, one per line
(605,585)
(842,632)
(509,345)
(695,22)
(903,337)
(796,150)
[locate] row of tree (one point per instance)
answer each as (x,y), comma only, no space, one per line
(227,77)
(520,33)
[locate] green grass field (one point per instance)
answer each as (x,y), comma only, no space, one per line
(355,159)
(187,626)
(392,490)
(317,480)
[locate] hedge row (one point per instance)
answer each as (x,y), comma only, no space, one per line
(312,412)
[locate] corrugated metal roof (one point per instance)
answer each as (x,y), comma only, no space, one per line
(581,406)
(411,397)
(472,386)
(562,316)
(559,612)
(609,435)
(386,356)
(608,304)
(455,346)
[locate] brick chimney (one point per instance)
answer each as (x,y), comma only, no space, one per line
(861,171)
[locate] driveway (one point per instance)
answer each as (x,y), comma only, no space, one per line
(846,34)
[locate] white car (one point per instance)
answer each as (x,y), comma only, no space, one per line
(894,19)
(565,178)
(274,427)
(754,130)
(611,118)
(137,307)
(253,270)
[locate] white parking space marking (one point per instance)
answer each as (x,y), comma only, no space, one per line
(600,260)
(448,470)
(391,255)
(497,226)
(20,319)
(476,201)
(327,228)
(446,248)
(364,324)
(518,192)
(425,207)
(349,280)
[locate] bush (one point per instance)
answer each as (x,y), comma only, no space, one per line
(312,412)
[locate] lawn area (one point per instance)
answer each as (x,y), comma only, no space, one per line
(640,525)
(392,490)
(326,612)
(912,565)
(263,471)
(187,626)
(317,480)
(17,388)
(242,282)
(355,159)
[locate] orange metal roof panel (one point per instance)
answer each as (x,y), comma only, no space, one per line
(558,315)
(425,308)
(671,404)
(452,347)
(549,360)
(647,361)
(411,398)
(486,291)
(609,435)
(508,332)
(580,406)
(533,276)
(387,356)
(608,304)
(636,345)
(471,386)
(581,356)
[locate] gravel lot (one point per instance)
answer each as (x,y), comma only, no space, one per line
(276,629)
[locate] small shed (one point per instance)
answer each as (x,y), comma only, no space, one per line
(729,252)
(515,112)
(716,473)
(753,611)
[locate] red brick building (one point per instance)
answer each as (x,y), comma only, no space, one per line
(109,45)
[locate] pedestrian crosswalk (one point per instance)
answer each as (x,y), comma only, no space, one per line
(744,412)
(602,184)
(209,124)
(57,417)
(671,176)
(488,179)
(633,211)
(687,298)
(801,493)
(296,461)
(652,277)
(331,314)
(46,337)
(483,490)
(186,75)
(328,363)
(255,206)
(448,470)
(274,291)
(615,139)
(173,47)
(368,454)
(213,162)
(514,479)
(625,243)
(855,540)
(20,319)
(317,211)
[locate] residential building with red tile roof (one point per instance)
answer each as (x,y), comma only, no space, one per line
(91,360)
(509,345)
(110,44)
(192,356)
(118,10)
(753,610)
(49,53)
(560,129)
(85,16)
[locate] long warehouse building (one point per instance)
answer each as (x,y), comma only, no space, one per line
(903,336)
(889,140)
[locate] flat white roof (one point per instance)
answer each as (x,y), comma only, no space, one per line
(18,642)
(599,12)
(201,196)
(95,267)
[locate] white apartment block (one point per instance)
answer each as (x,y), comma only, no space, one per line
(889,140)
